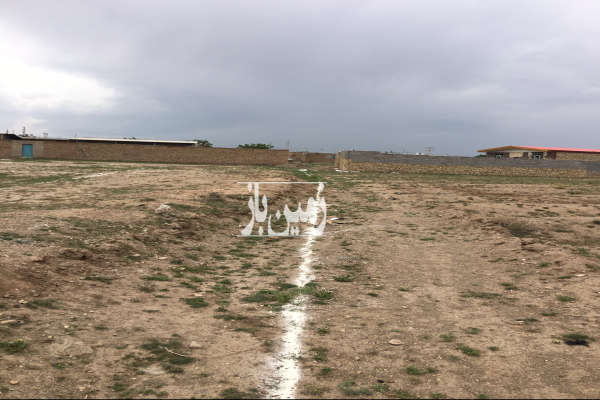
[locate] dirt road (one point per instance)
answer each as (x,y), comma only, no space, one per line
(429,286)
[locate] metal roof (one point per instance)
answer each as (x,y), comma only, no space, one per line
(112,140)
(536,148)
(135,140)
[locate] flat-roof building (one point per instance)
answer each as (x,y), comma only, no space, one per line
(131,149)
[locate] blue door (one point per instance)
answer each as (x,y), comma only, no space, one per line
(27,150)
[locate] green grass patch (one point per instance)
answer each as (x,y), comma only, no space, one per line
(169,353)
(577,339)
(100,328)
(319,353)
(230,317)
(593,267)
(402,394)
(9,236)
(195,302)
(286,293)
(509,286)
(157,277)
(380,387)
(314,390)
(344,278)
(468,350)
(44,303)
(447,337)
(233,393)
(349,388)
(437,395)
(14,347)
(565,299)
(412,370)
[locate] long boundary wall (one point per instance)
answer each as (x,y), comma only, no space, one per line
(74,150)
(316,158)
(376,161)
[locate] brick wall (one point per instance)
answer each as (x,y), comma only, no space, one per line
(5,147)
(318,158)
(375,161)
(72,150)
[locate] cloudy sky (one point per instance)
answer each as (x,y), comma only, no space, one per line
(325,75)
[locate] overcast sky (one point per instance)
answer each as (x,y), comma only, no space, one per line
(325,75)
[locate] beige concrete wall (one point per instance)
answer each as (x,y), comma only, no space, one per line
(461,170)
(563,155)
(375,161)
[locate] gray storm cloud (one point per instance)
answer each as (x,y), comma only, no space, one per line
(382,75)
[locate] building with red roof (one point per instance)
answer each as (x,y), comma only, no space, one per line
(535,152)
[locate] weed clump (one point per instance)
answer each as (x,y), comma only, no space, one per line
(286,293)
(469,350)
(233,393)
(195,302)
(412,370)
(577,339)
(320,353)
(480,295)
(565,299)
(169,353)
(447,337)
(349,388)
(14,347)
(519,229)
(46,303)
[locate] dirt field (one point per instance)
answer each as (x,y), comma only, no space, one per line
(425,286)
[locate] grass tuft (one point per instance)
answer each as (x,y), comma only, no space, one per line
(349,388)
(468,350)
(565,299)
(577,339)
(14,347)
(195,302)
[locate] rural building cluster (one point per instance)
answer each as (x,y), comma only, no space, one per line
(506,160)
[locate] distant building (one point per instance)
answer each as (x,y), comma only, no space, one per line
(550,153)
(136,150)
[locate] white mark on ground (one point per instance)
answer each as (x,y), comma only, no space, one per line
(287,371)
(96,175)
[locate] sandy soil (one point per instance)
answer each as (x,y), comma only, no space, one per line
(428,286)
(458,287)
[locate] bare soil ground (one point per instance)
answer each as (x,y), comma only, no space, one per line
(429,285)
